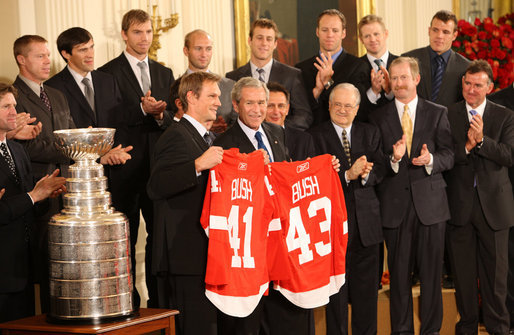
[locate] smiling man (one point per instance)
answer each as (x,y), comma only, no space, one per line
(441,69)
(145,89)
(262,66)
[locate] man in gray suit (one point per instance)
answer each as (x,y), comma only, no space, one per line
(481,202)
(441,69)
(198,49)
(262,66)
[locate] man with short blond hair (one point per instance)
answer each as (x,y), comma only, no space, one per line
(416,142)
(262,66)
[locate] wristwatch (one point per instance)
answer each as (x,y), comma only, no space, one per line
(328,84)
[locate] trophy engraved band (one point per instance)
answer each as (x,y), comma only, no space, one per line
(88,242)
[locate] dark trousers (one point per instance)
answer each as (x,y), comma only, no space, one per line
(360,289)
(131,198)
(479,259)
(412,242)
(285,318)
(187,294)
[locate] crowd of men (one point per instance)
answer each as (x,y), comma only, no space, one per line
(424,156)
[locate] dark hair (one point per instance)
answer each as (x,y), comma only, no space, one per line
(7,88)
(21,44)
(332,12)
(276,87)
(134,16)
(445,16)
(174,95)
(480,65)
(263,23)
(72,37)
(194,82)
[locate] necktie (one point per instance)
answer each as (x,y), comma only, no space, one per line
(261,75)
(261,145)
(473,113)
(208,138)
(145,80)
(8,159)
(346,146)
(44,98)
(438,77)
(379,62)
(407,127)
(90,95)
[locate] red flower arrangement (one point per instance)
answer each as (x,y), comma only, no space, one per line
(492,42)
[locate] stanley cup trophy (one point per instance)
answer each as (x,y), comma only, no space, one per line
(88,242)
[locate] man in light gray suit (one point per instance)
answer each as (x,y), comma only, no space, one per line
(441,69)
(198,50)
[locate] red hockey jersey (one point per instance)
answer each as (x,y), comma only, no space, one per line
(314,227)
(244,238)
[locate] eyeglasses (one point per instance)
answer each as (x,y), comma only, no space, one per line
(346,107)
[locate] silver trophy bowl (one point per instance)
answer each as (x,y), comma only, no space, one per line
(88,242)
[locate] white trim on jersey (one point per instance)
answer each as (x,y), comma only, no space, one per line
(243,305)
(314,298)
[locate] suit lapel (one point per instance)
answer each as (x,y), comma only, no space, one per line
(246,70)
(334,141)
(243,142)
(419,127)
(195,136)
(31,95)
(487,119)
(275,72)
(273,141)
(426,74)
(76,93)
(130,76)
(18,164)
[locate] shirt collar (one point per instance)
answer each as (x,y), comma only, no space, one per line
(384,59)
(266,68)
(31,84)
(336,55)
(412,108)
(480,109)
(249,131)
(339,131)
(133,60)
(78,77)
(445,55)
(198,126)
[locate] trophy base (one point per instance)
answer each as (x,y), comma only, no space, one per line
(92,320)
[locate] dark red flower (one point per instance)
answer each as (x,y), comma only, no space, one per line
(482,35)
(477,21)
(495,43)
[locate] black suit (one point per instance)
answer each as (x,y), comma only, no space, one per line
(142,132)
(367,106)
(44,158)
(364,228)
(451,87)
(300,115)
(347,69)
(180,246)
(481,217)
(107,99)
(414,209)
(505,97)
(16,222)
(299,144)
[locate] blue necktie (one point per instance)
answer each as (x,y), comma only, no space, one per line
(473,113)
(261,145)
(438,77)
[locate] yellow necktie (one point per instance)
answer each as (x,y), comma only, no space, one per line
(407,127)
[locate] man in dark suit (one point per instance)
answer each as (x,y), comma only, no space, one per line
(17,198)
(416,143)
(298,142)
(49,106)
(331,66)
(262,66)
(145,88)
(373,35)
(198,49)
(180,166)
(505,97)
(441,69)
(357,146)
(481,202)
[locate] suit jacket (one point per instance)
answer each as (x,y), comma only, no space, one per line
(347,69)
(366,106)
(107,99)
(451,87)
(489,165)
(427,192)
(44,156)
(180,243)
(139,130)
(360,199)
(299,144)
(300,115)
(235,137)
(16,220)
